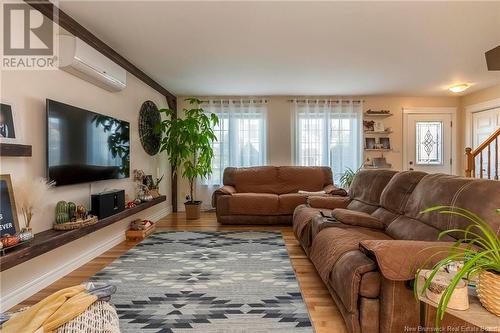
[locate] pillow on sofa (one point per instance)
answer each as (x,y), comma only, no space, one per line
(355,218)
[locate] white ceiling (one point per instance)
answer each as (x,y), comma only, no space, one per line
(300,48)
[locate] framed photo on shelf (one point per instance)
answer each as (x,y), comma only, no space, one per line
(369,143)
(7,127)
(9,223)
(385,143)
(378,126)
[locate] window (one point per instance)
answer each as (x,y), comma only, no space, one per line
(429,143)
(328,133)
(241,136)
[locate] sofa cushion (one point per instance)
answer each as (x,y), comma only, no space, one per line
(292,179)
(367,187)
(398,190)
(289,201)
(253,204)
(331,243)
(355,218)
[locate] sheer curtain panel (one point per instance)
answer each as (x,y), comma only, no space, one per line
(328,133)
(241,135)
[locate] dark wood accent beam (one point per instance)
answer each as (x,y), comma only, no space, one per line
(71,25)
(493,59)
(52,239)
(12,149)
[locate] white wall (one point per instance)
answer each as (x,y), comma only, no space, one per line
(26,91)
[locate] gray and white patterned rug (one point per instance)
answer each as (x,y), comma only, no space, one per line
(235,281)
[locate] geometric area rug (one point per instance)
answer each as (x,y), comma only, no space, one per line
(189,282)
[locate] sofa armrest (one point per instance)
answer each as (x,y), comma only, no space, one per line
(334,190)
(399,260)
(224,190)
(358,219)
(328,202)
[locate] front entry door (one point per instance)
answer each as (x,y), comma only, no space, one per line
(428,142)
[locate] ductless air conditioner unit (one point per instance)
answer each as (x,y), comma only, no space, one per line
(82,60)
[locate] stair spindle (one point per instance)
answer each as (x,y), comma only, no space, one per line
(496,158)
(481,165)
(489,161)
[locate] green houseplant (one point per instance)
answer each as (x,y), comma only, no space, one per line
(478,250)
(188,143)
(347,178)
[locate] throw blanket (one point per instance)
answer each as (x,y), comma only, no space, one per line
(56,309)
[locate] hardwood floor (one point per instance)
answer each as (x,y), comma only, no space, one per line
(325,316)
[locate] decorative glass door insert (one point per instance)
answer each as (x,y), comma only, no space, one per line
(429,142)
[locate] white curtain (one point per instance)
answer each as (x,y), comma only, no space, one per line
(328,133)
(241,134)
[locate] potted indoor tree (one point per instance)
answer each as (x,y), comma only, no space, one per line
(188,142)
(477,253)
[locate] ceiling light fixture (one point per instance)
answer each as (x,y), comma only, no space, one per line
(458,88)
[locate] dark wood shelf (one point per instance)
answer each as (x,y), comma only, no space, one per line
(51,239)
(14,149)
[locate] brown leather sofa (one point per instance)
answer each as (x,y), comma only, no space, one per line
(368,256)
(268,194)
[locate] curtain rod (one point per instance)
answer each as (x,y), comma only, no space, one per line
(325,100)
(227,101)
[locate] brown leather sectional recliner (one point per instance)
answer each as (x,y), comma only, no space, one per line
(368,255)
(268,194)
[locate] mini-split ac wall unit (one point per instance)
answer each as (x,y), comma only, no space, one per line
(82,60)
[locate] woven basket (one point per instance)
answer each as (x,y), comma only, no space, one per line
(100,317)
(76,225)
(488,291)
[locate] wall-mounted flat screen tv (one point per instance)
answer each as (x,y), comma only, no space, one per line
(84,146)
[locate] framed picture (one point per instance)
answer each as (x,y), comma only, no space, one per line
(385,143)
(9,223)
(148,181)
(7,130)
(369,143)
(378,126)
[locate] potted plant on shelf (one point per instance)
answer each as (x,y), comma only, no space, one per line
(188,143)
(477,253)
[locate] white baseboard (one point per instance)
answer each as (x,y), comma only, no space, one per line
(16,296)
(161,213)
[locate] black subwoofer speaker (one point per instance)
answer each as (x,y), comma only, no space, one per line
(108,203)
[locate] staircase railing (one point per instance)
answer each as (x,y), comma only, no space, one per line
(483,149)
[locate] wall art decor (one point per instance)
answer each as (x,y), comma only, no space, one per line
(9,223)
(7,129)
(385,143)
(369,143)
(378,126)
(149,117)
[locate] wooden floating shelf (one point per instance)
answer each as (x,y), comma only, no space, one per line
(382,115)
(366,149)
(14,149)
(51,239)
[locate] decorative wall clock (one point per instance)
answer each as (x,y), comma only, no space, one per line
(149,116)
